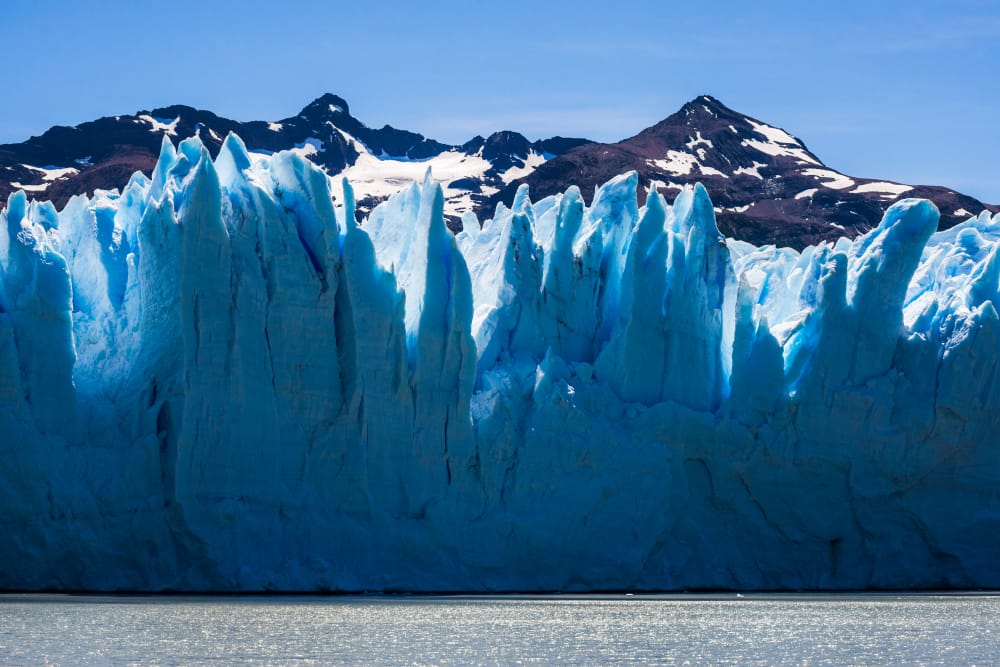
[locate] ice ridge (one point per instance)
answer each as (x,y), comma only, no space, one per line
(217,379)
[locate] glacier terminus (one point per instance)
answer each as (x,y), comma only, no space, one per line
(218,380)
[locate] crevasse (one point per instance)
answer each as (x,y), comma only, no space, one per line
(217,380)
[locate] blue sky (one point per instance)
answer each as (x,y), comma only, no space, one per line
(907,91)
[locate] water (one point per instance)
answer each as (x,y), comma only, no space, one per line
(587,630)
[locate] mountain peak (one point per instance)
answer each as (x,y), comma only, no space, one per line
(705,100)
(705,108)
(506,143)
(327,103)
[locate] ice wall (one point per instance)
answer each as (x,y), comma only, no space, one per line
(216,380)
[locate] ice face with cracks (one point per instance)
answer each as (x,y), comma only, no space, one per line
(217,379)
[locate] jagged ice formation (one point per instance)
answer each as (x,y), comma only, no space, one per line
(215,380)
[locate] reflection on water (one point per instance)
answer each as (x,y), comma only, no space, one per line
(510,630)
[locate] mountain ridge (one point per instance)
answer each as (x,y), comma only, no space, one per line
(767,185)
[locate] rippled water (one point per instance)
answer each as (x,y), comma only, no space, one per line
(591,630)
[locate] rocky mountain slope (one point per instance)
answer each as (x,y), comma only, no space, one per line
(766,185)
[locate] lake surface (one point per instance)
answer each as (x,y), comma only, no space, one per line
(946,629)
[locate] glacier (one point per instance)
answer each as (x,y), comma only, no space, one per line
(218,380)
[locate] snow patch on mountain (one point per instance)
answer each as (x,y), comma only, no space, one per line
(680,163)
(833,180)
(773,134)
(381,177)
(531,162)
(753,170)
(308,147)
(27,187)
(167,126)
(781,150)
(53,173)
(888,190)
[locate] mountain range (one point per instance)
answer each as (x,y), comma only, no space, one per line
(767,186)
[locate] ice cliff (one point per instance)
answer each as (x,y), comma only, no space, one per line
(218,380)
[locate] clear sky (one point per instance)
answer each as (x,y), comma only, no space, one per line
(907,91)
